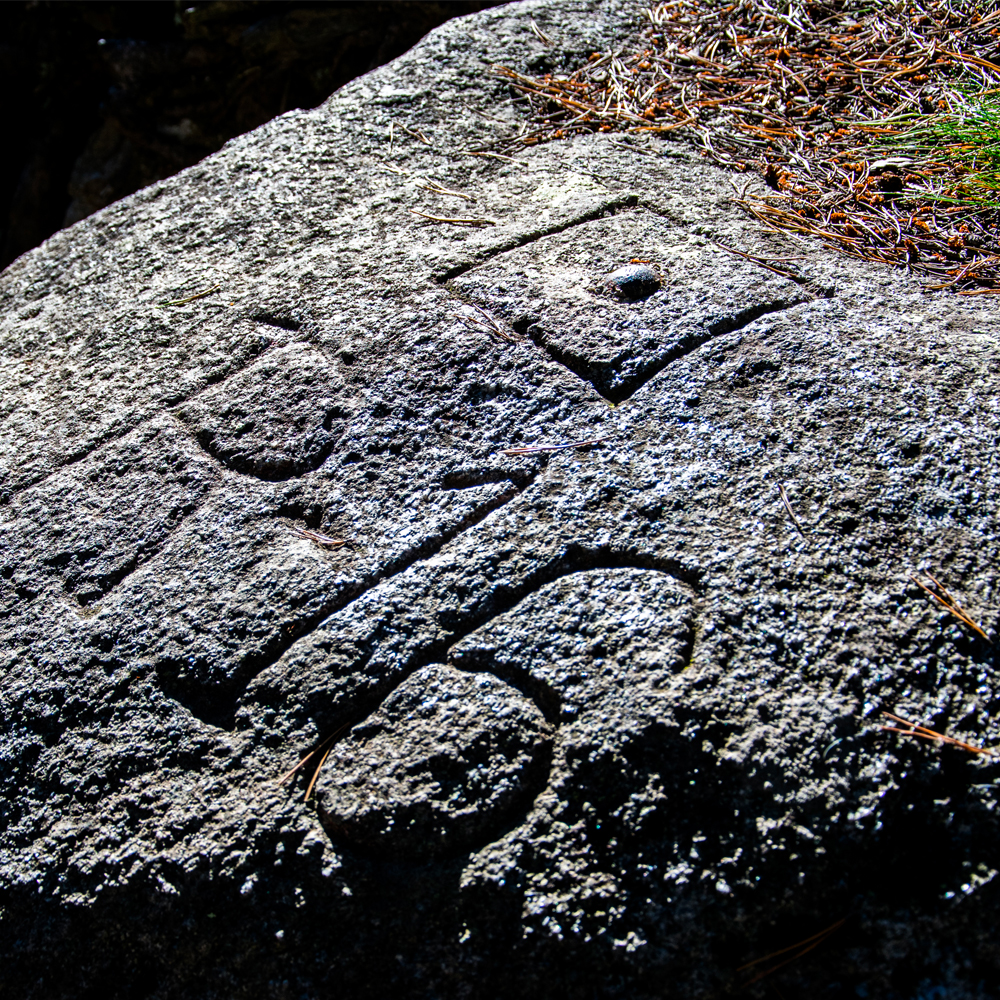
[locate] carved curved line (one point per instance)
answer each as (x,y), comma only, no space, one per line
(113,434)
(509,818)
(267,474)
(576,559)
(546,698)
(116,434)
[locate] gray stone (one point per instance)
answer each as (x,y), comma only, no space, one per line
(618,346)
(601,722)
(633,281)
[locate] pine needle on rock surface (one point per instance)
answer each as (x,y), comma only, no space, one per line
(875,126)
(939,594)
(798,950)
(322,751)
(922,732)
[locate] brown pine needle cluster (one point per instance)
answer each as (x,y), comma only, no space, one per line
(484,321)
(321,753)
(876,127)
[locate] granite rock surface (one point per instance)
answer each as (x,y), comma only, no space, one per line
(601,721)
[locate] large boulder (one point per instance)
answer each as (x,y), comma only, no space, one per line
(596,722)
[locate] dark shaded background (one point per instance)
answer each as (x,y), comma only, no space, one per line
(105,98)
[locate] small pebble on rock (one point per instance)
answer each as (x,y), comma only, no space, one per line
(633,281)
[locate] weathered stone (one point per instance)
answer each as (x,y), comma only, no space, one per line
(618,346)
(654,752)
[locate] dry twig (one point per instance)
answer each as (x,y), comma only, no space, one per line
(320,539)
(539,34)
(324,748)
(788,507)
(771,263)
(538,448)
(192,298)
(436,188)
(454,222)
(496,156)
(416,133)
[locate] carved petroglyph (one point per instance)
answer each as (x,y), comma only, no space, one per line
(553,290)
(602,722)
(88,532)
(444,760)
(578,653)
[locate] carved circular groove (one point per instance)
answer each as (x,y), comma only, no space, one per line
(279,419)
(444,760)
(458,752)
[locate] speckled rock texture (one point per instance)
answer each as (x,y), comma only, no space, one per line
(601,722)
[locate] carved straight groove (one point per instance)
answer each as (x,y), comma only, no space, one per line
(218,707)
(605,209)
(281,322)
(104,585)
(747,316)
(816,291)
(467,479)
(116,434)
